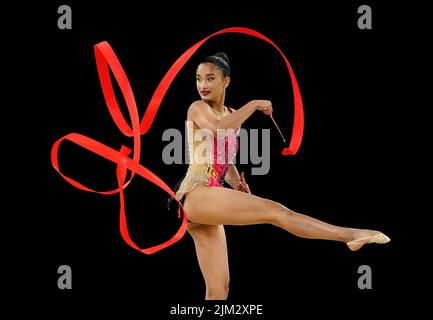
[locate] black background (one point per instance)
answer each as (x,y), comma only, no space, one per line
(344,172)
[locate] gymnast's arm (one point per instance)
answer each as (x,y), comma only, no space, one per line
(235,180)
(232,176)
(200,113)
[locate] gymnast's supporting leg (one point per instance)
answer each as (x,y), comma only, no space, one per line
(211,248)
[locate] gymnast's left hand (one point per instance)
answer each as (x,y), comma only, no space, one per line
(242,185)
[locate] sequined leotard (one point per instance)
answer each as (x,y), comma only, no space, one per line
(209,157)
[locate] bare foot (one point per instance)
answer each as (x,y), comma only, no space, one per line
(362,237)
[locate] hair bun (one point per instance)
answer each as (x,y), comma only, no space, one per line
(223,56)
(221,61)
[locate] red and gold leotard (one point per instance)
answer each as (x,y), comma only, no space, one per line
(209,157)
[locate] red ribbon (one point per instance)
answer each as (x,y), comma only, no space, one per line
(106,59)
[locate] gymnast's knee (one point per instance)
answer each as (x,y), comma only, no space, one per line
(275,212)
(217,292)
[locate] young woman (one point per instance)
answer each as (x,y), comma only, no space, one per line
(210,206)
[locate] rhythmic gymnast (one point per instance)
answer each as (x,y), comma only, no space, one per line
(210,206)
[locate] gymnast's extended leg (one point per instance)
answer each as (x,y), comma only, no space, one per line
(219,206)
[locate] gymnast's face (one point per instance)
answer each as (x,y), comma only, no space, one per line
(211,83)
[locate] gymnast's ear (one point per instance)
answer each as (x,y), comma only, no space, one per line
(226,82)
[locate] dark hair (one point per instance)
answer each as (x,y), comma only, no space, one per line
(221,61)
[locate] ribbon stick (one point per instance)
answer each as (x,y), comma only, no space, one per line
(279,130)
(107,60)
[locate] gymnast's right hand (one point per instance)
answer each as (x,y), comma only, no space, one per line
(265,106)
